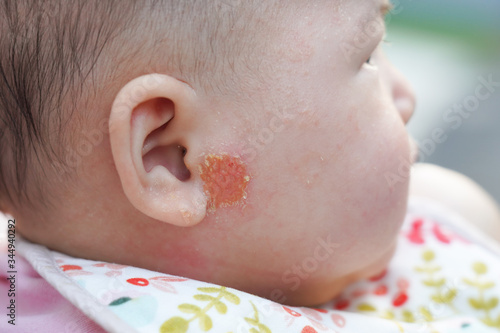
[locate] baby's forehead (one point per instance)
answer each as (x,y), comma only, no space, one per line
(346,14)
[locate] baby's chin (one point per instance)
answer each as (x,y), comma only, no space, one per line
(322,293)
(378,266)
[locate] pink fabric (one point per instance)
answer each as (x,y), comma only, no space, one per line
(39,307)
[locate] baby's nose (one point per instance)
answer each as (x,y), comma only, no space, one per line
(403,95)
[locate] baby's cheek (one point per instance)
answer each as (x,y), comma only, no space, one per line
(380,193)
(393,181)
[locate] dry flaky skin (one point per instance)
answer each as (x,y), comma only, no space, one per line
(225,180)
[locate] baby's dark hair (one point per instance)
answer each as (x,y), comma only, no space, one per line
(60,59)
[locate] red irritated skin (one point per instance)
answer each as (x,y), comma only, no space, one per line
(225,180)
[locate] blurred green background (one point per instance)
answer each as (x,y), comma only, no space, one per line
(443,47)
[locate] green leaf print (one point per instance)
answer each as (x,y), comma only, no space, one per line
(408,316)
(181,325)
(175,325)
(491,304)
(205,323)
(189,308)
(482,303)
(428,269)
(255,321)
(366,307)
(220,307)
(204,298)
(388,314)
(231,298)
(252,321)
(426,314)
(492,323)
(442,294)
(476,303)
(480,268)
(120,301)
(470,282)
(486,285)
(428,255)
(445,298)
(434,283)
(209,290)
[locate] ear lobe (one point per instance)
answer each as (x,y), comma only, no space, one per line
(150,137)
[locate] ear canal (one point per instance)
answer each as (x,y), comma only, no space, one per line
(171,157)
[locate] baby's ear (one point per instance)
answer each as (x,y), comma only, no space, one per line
(151,131)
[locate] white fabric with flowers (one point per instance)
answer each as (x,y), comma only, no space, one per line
(444,277)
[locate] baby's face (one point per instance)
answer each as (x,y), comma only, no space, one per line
(328,156)
(316,134)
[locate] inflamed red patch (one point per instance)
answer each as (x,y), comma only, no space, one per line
(225,180)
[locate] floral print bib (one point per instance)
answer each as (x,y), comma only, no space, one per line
(444,277)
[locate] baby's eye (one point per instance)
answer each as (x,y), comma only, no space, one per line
(369,61)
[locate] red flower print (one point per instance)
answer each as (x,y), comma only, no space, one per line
(309,329)
(159,282)
(138,282)
(403,284)
(162,283)
(338,320)
(380,290)
(378,277)
(415,234)
(115,269)
(312,314)
(400,299)
(110,266)
(290,311)
(436,230)
(113,273)
(70,268)
(74,270)
(342,304)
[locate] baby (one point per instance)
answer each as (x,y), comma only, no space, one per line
(258,145)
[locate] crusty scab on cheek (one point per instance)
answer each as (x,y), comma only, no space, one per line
(225,180)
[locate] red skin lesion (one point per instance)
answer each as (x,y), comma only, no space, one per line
(225,180)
